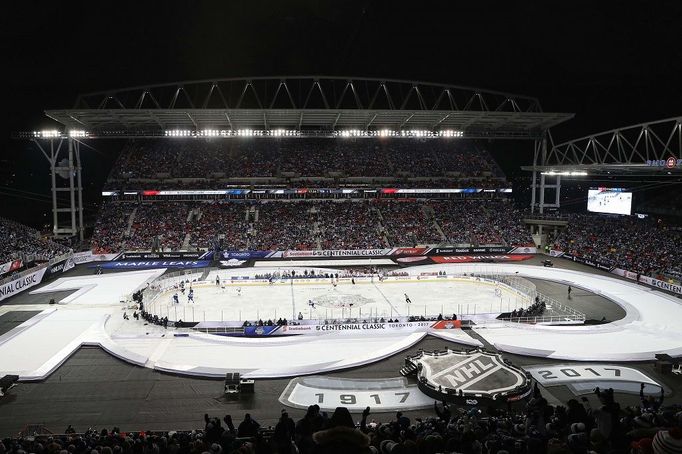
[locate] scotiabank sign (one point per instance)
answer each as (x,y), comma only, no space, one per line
(469,250)
(165,255)
(588,262)
(21,284)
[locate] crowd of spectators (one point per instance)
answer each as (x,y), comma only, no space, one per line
(530,427)
(408,224)
(224,223)
(264,157)
(306,225)
(162,222)
(481,222)
(284,226)
(337,182)
(348,225)
(647,246)
(20,242)
(111,227)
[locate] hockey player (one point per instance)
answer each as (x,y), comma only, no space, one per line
(239,291)
(176,300)
(190,296)
(217,280)
(407,299)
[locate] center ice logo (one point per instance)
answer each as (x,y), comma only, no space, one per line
(459,375)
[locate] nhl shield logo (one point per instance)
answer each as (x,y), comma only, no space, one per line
(469,376)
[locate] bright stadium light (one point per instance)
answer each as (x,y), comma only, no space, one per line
(574,173)
(47,134)
(78,133)
(450,133)
(178,133)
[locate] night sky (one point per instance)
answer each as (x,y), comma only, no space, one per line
(610,65)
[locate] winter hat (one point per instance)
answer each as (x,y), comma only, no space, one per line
(341,417)
(577,427)
(387,446)
(668,441)
(643,446)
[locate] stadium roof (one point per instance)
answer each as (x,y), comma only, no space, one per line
(307,104)
(652,149)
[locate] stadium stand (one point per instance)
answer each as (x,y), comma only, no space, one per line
(308,158)
(647,246)
(535,427)
(303,225)
(348,226)
(22,242)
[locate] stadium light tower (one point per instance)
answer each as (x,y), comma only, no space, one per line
(63,154)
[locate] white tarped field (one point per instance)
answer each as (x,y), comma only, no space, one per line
(93,315)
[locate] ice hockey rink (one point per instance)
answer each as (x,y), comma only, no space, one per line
(93,315)
(233,299)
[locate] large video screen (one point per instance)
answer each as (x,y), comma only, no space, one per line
(609,200)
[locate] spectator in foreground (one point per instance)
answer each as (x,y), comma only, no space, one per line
(340,436)
(248,427)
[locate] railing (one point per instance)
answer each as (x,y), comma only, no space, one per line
(541,319)
(517,293)
(526,287)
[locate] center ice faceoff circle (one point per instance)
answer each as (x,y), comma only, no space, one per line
(337,299)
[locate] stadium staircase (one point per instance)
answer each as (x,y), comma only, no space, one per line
(429,213)
(194,216)
(131,220)
(408,369)
(380,225)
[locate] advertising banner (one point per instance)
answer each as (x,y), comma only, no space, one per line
(469,250)
(103,257)
(20,284)
(588,262)
(165,255)
(447,324)
(480,258)
(414,260)
(59,268)
(338,253)
(83,257)
(10,266)
(364,327)
(145,264)
(524,250)
(231,263)
(409,251)
(675,288)
(245,255)
(555,253)
(260,330)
